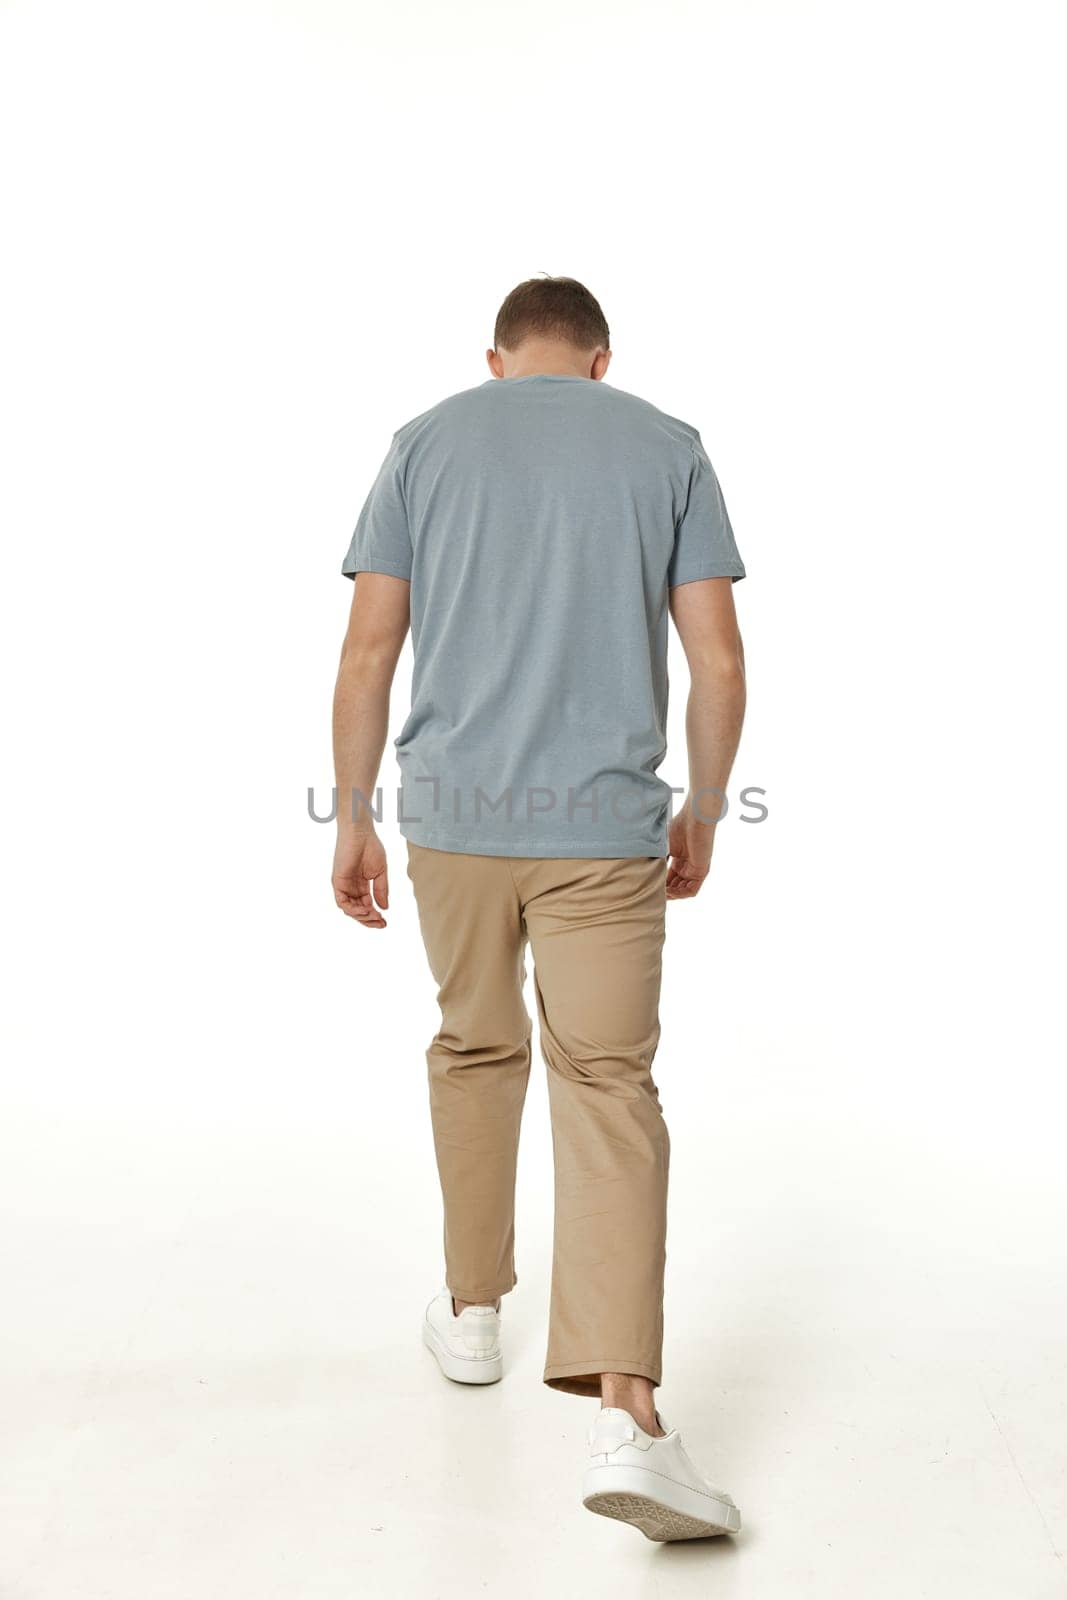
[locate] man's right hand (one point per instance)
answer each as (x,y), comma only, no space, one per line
(358,866)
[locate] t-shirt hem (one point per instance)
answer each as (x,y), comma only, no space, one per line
(542,849)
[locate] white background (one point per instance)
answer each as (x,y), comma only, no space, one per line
(243,244)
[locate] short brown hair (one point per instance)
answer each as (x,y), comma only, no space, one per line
(560,308)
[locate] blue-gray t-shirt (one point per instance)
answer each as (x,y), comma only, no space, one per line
(541,522)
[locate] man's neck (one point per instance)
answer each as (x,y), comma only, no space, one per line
(548,361)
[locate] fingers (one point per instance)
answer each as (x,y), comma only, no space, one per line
(354,898)
(684,879)
(381,888)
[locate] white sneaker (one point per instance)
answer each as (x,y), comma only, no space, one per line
(650,1482)
(467,1347)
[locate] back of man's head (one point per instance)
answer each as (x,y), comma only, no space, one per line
(551,309)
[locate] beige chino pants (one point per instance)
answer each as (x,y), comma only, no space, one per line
(596,930)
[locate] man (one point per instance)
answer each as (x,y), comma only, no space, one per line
(534,531)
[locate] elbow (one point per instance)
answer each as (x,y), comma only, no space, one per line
(721,684)
(721,670)
(366,659)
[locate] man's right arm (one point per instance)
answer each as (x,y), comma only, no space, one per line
(377,628)
(706,621)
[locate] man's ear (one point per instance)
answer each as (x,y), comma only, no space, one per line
(496,366)
(601,362)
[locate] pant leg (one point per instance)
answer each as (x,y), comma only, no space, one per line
(479,1061)
(596,930)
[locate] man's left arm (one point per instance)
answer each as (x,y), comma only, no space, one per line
(377,627)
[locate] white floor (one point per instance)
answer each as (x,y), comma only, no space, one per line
(202,1398)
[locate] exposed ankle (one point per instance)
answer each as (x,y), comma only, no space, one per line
(633,1394)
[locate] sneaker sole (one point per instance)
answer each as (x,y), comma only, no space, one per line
(460,1369)
(662,1509)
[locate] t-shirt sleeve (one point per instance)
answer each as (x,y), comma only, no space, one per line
(382,541)
(704,544)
